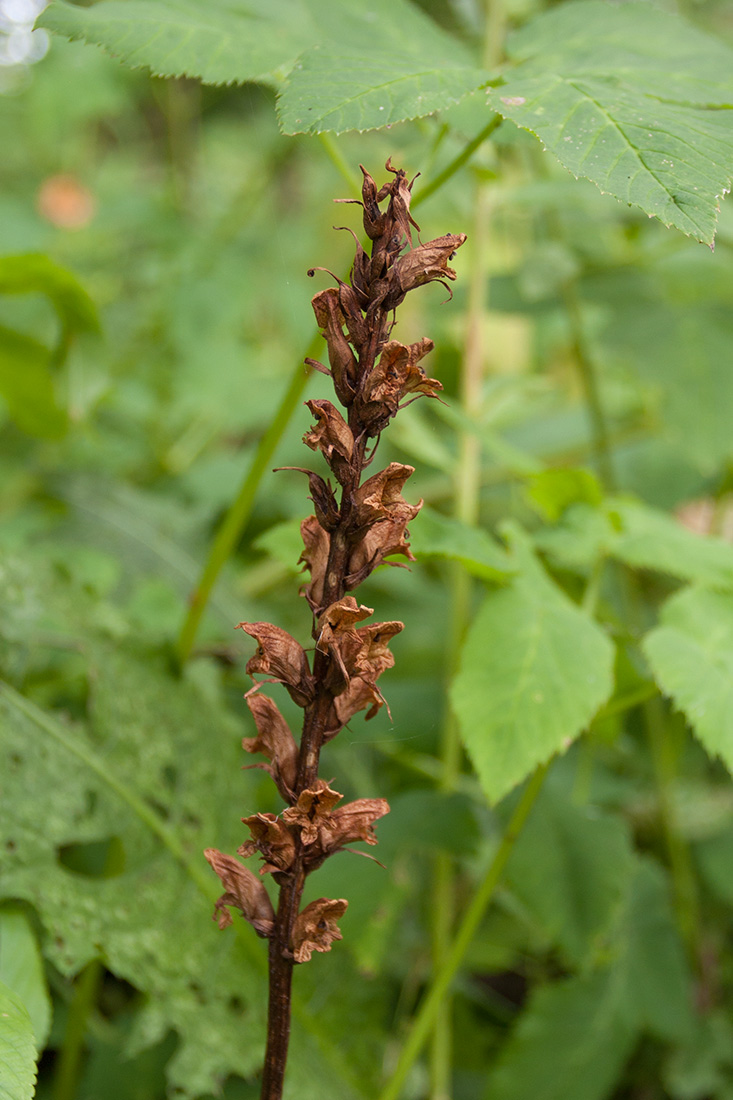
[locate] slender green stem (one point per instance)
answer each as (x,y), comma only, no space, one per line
(467,494)
(66,1073)
(457,163)
(236,518)
(587,371)
(423,1022)
(340,163)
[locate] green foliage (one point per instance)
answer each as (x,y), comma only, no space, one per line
(534,671)
(17,1048)
(569,606)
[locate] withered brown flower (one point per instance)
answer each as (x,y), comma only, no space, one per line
(273,840)
(244,891)
(315,927)
(280,656)
(275,741)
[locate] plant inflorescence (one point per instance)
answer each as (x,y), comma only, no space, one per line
(349,535)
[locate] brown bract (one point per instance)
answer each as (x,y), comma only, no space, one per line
(316,927)
(330,319)
(279,656)
(244,891)
(332,436)
(316,544)
(275,741)
(273,840)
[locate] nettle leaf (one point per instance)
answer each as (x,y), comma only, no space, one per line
(572,1039)
(17,1048)
(691,655)
(435,535)
(222,42)
(651,959)
(571,867)
(534,670)
(21,969)
(382,63)
(631,98)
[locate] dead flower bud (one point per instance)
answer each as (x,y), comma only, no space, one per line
(312,809)
(315,927)
(281,657)
(380,542)
(380,498)
(354,821)
(244,891)
(275,741)
(316,543)
(427,263)
(396,375)
(330,318)
(273,840)
(332,436)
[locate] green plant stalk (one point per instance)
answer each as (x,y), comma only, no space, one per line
(467,496)
(586,369)
(86,989)
(423,1021)
(237,517)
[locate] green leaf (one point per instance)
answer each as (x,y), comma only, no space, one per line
(650,539)
(572,1040)
(21,969)
(571,867)
(629,97)
(17,1048)
(223,42)
(34,273)
(27,385)
(434,535)
(534,670)
(691,655)
(553,491)
(652,962)
(383,63)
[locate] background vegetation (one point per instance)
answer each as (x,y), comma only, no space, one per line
(154,315)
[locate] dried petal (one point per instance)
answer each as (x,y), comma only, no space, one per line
(331,320)
(315,558)
(315,927)
(424,264)
(379,498)
(272,839)
(332,436)
(275,741)
(244,890)
(395,375)
(280,656)
(355,821)
(312,809)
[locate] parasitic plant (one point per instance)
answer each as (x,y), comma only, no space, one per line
(351,533)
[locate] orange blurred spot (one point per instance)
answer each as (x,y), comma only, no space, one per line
(66,203)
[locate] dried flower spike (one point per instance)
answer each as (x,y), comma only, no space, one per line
(357,526)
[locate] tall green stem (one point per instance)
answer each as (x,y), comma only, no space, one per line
(422,1023)
(467,493)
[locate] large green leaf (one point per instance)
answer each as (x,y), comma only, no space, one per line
(382,63)
(229,41)
(17,1048)
(633,99)
(571,1041)
(571,868)
(21,968)
(534,670)
(435,535)
(691,654)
